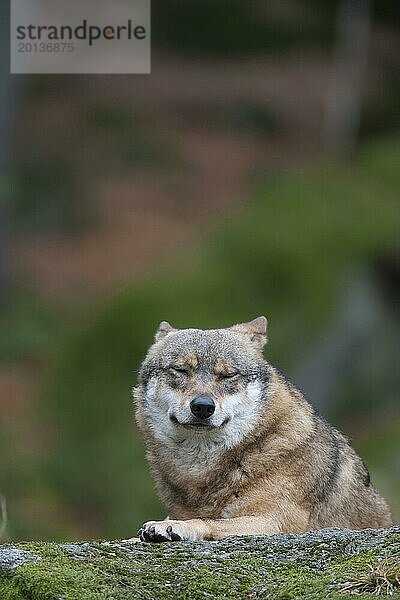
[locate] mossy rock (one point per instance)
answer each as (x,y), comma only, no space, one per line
(313,565)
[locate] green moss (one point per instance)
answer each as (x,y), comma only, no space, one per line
(311,566)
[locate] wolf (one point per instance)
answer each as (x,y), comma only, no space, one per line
(235,449)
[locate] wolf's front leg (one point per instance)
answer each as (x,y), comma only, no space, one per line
(207,529)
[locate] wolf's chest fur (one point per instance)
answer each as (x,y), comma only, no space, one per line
(195,456)
(203,472)
(199,477)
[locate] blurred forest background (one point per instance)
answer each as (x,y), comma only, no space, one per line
(255,171)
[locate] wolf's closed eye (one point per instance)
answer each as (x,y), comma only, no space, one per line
(228,375)
(178,370)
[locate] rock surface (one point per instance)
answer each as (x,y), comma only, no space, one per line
(313,565)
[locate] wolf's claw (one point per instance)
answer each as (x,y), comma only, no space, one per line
(173,536)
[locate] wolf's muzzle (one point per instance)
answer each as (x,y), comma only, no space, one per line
(202,407)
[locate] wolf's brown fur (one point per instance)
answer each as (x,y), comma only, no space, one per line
(273,465)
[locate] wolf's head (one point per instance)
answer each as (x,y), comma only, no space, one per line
(207,383)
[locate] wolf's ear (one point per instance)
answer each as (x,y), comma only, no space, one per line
(256,329)
(163,329)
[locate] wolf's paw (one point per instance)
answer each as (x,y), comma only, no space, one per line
(170,531)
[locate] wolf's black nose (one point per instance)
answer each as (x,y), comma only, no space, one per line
(202,407)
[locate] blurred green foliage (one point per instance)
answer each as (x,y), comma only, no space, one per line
(48,195)
(253,116)
(28,327)
(381,113)
(384,11)
(232,27)
(236,117)
(286,255)
(131,141)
